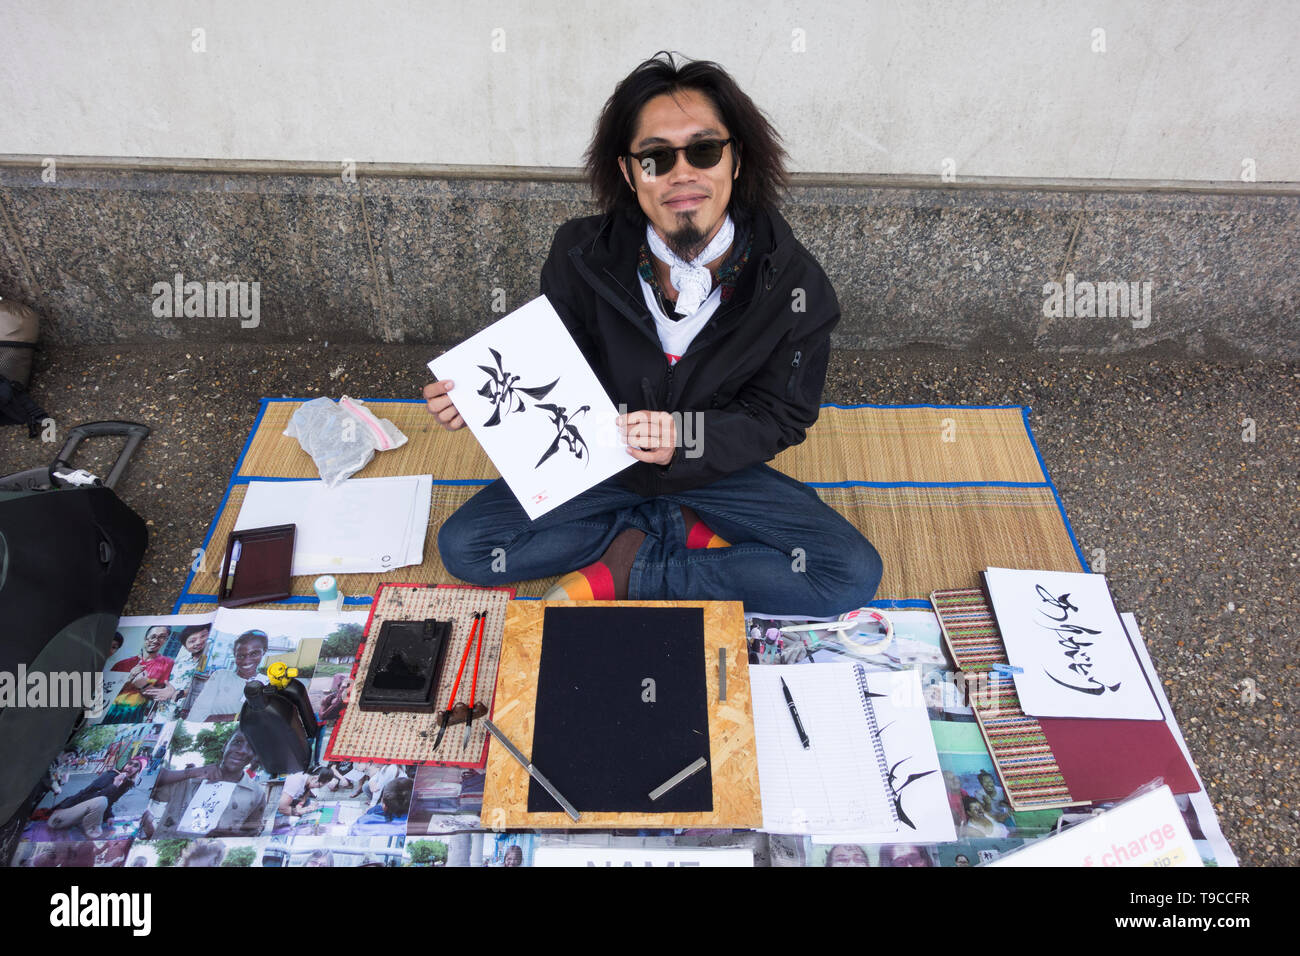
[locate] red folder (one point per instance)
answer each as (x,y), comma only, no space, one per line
(1104,760)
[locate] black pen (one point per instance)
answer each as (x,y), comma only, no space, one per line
(803,737)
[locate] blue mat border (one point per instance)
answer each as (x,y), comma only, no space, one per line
(188,597)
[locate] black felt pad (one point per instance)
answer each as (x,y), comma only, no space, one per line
(595,737)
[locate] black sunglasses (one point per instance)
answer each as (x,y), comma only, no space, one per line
(702,154)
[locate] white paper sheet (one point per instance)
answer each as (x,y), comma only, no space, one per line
(1219,847)
(1062,628)
(206,807)
(536,407)
(364,525)
(1145,831)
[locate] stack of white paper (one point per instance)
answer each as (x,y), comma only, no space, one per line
(364,525)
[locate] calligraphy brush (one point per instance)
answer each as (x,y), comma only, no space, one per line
(473,687)
(445,716)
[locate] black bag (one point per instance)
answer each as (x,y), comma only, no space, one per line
(69,554)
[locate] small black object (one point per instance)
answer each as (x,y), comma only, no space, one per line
(280,725)
(404,670)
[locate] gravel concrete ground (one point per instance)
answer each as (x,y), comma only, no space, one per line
(1198,526)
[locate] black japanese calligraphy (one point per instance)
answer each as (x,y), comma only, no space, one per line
(1071,639)
(502,389)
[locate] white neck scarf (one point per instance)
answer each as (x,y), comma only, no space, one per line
(692,280)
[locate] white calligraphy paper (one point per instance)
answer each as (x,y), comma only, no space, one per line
(536,407)
(1062,629)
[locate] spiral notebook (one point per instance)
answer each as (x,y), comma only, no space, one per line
(841,782)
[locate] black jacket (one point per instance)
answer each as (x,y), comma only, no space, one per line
(755,371)
(101,786)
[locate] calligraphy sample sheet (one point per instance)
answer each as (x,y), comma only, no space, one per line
(536,407)
(206,807)
(1062,629)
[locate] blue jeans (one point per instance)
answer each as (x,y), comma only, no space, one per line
(790,552)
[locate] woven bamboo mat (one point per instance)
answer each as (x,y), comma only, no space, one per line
(942,492)
(866,443)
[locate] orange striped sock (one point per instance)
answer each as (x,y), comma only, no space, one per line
(603,580)
(700,535)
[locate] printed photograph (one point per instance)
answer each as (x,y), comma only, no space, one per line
(507,849)
(212,786)
(446,799)
(854,854)
(788,849)
(342,798)
(151,666)
(80,853)
(974,852)
(302,850)
(448,849)
(980,807)
(245,642)
(225,852)
(329,693)
(100,784)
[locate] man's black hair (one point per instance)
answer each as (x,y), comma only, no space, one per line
(757,144)
(193,629)
(254,635)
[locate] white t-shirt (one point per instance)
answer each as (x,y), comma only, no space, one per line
(295,785)
(676,336)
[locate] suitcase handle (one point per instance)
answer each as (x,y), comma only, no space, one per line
(133,432)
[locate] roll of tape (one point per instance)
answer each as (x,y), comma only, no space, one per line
(868,640)
(327,589)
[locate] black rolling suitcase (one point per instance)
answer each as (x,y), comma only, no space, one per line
(69,553)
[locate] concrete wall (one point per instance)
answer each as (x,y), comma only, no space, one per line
(1014,88)
(420,259)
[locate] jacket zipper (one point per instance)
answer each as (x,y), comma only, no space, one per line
(794,372)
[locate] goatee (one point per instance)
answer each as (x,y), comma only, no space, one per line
(687,241)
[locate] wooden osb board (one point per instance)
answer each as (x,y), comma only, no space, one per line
(408,738)
(733,755)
